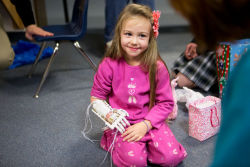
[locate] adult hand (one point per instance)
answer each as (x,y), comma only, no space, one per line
(136,132)
(35,30)
(191,51)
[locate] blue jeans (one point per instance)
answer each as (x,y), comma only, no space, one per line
(112,11)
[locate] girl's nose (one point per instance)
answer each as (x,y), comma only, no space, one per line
(134,40)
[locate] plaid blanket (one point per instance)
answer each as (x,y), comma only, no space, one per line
(201,70)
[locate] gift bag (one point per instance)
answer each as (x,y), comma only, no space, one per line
(204,117)
(227,56)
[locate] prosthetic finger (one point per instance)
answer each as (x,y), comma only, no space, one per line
(126,113)
(121,127)
(123,112)
(126,121)
(123,123)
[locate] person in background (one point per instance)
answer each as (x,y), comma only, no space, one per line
(112,11)
(24,10)
(195,69)
(214,21)
(133,77)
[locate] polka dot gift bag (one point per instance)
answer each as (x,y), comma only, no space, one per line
(204,117)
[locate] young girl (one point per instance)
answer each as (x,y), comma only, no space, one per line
(133,77)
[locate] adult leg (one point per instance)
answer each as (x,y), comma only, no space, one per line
(6,52)
(198,72)
(180,65)
(150,3)
(184,81)
(112,12)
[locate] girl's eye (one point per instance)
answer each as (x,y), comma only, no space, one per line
(142,35)
(127,33)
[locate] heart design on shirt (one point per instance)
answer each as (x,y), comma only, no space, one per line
(131,91)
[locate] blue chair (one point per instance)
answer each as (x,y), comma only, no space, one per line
(72,31)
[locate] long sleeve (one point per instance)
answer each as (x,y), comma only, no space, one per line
(164,102)
(24,9)
(102,81)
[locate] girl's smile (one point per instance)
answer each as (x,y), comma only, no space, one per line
(133,49)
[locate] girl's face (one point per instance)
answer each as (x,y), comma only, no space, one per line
(135,35)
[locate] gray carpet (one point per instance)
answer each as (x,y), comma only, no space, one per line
(47,131)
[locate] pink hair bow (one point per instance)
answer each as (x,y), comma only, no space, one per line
(156,15)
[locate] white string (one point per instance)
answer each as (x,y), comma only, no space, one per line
(113,143)
(112,148)
(85,131)
(86,122)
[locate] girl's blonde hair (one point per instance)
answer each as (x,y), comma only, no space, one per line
(151,54)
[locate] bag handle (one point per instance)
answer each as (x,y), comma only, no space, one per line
(211,116)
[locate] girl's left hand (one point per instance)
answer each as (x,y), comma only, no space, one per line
(135,132)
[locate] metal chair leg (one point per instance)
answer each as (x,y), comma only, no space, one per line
(32,69)
(47,70)
(78,47)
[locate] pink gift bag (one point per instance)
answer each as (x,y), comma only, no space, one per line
(204,117)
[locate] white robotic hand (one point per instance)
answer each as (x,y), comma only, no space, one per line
(113,118)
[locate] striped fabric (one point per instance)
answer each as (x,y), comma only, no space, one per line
(201,70)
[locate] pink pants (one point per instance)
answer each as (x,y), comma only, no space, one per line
(158,146)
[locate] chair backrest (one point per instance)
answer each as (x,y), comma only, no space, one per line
(79,17)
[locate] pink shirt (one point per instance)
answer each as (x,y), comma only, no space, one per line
(127,87)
